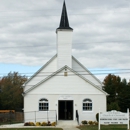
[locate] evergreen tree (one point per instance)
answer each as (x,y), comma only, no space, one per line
(119,93)
(124,97)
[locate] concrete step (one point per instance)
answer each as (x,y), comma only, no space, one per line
(66,124)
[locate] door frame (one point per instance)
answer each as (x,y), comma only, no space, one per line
(72,109)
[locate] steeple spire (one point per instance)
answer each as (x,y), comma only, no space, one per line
(64,22)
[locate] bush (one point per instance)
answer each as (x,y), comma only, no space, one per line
(53,124)
(26,124)
(44,124)
(38,124)
(31,124)
(113,106)
(96,123)
(84,122)
(48,123)
(90,122)
(97,117)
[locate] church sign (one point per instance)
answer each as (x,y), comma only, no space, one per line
(113,117)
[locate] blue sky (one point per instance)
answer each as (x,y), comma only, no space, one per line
(30,70)
(21,69)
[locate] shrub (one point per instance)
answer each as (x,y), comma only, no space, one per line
(38,124)
(48,123)
(113,106)
(31,124)
(26,124)
(96,123)
(84,122)
(53,124)
(44,124)
(97,117)
(90,122)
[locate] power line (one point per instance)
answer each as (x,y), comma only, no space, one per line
(24,46)
(91,70)
(74,44)
(88,8)
(41,75)
(79,71)
(20,17)
(65,76)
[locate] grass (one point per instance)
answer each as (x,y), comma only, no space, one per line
(31,128)
(85,127)
(103,127)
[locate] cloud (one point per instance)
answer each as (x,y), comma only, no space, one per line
(100,37)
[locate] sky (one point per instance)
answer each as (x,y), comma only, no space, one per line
(101,35)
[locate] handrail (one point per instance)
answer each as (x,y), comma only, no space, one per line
(35,116)
(56,118)
(77,116)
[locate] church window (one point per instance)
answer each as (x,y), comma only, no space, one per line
(87,104)
(43,104)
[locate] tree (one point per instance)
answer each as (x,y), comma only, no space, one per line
(112,86)
(119,93)
(124,81)
(124,97)
(11,91)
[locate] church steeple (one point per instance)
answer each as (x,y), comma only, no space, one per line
(64,22)
(64,41)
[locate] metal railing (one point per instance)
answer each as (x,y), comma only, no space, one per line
(77,116)
(33,116)
(40,116)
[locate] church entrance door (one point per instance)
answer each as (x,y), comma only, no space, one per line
(65,110)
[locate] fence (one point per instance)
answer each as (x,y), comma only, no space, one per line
(33,116)
(11,117)
(40,116)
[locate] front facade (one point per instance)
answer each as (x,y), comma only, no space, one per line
(63,88)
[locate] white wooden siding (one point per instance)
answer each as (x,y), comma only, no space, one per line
(47,70)
(31,104)
(60,84)
(77,67)
(64,46)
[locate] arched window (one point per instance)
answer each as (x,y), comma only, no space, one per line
(43,104)
(87,104)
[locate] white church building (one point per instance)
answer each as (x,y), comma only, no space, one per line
(63,89)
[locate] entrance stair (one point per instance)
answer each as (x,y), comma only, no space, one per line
(66,124)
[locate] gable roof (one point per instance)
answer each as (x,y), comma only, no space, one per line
(87,70)
(57,70)
(39,70)
(53,74)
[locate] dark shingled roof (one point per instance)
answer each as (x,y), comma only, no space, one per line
(64,22)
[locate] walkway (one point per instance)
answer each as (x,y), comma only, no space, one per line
(69,128)
(21,125)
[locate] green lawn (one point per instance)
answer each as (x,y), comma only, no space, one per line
(106,127)
(85,127)
(31,129)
